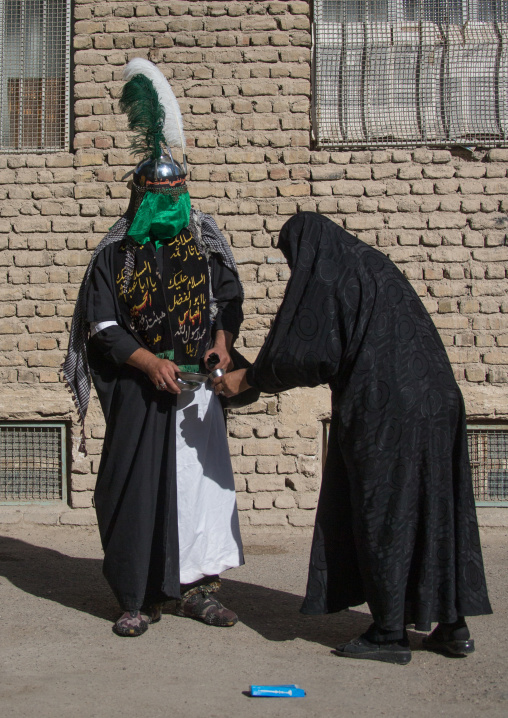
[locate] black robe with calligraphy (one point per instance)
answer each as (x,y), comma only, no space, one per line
(396,522)
(135,496)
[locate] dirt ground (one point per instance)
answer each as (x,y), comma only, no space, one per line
(59,656)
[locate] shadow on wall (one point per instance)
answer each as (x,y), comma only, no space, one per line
(78,583)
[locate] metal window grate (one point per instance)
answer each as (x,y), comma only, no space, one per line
(32,462)
(410,72)
(34,75)
(488,452)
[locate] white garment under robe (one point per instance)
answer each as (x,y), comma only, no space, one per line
(208,528)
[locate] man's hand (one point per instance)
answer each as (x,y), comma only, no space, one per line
(221,347)
(162,372)
(231,384)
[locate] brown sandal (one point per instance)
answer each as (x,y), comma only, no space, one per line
(135,623)
(153,612)
(131,624)
(202,604)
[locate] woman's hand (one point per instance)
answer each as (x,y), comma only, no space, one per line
(231,384)
(162,372)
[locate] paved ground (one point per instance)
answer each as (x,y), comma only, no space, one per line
(60,658)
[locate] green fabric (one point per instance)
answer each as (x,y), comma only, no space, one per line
(160,217)
(170,354)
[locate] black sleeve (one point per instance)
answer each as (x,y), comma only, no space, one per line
(250,378)
(227,290)
(114,343)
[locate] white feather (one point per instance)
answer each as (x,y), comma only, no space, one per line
(173,123)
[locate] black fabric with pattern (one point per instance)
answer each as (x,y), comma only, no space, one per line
(396,522)
(170,316)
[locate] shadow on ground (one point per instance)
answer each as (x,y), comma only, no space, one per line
(77,583)
(276,616)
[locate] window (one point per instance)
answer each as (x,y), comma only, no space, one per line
(410,72)
(32,462)
(34,75)
(488,452)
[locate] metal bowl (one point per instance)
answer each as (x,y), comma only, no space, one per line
(190,380)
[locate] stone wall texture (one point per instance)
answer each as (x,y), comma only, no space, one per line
(242,73)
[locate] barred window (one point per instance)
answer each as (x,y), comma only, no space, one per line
(33,462)
(488,452)
(34,75)
(410,72)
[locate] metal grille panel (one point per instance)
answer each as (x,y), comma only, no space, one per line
(410,72)
(32,462)
(34,75)
(488,452)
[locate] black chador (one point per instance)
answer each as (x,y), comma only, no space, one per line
(396,523)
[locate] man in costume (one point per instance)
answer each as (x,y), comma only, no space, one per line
(396,522)
(160,296)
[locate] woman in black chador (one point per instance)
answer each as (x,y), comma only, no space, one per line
(396,523)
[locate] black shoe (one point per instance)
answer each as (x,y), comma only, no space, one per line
(450,638)
(392,652)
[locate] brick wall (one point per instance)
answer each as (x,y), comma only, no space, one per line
(241,71)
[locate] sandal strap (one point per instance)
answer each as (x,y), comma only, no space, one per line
(205,589)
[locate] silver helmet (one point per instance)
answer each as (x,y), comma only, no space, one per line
(163,174)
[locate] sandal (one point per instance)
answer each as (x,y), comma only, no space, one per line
(153,612)
(393,652)
(452,639)
(377,645)
(135,623)
(131,624)
(201,604)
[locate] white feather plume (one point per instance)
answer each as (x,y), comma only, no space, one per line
(173,123)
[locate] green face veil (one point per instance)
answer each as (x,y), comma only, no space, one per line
(160,217)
